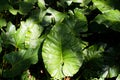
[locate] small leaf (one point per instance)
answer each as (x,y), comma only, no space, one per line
(2,22)
(77,1)
(13,11)
(41,4)
(61,52)
(113,72)
(58,16)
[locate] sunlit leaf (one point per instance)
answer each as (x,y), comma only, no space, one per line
(13,11)
(28,33)
(56,15)
(113,72)
(118,77)
(41,4)
(78,1)
(110,19)
(2,22)
(106,5)
(62,52)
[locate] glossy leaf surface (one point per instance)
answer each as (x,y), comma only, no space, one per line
(62,52)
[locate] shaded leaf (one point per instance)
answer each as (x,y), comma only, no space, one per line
(1,44)
(81,23)
(93,59)
(4,5)
(20,61)
(25,7)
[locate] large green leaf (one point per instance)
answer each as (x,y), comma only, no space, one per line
(20,61)
(110,19)
(106,5)
(61,52)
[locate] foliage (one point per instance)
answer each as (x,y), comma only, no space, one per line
(59,39)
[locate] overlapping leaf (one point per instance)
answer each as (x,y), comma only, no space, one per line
(77,22)
(20,61)
(62,52)
(106,5)
(110,19)
(27,36)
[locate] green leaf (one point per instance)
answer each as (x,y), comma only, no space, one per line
(27,35)
(41,4)
(93,59)
(118,77)
(77,22)
(32,36)
(55,15)
(2,22)
(25,7)
(61,52)
(30,1)
(93,51)
(81,23)
(106,5)
(77,1)
(13,11)
(113,71)
(20,61)
(1,44)
(110,19)
(27,76)
(4,5)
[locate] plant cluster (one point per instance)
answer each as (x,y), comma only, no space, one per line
(59,39)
